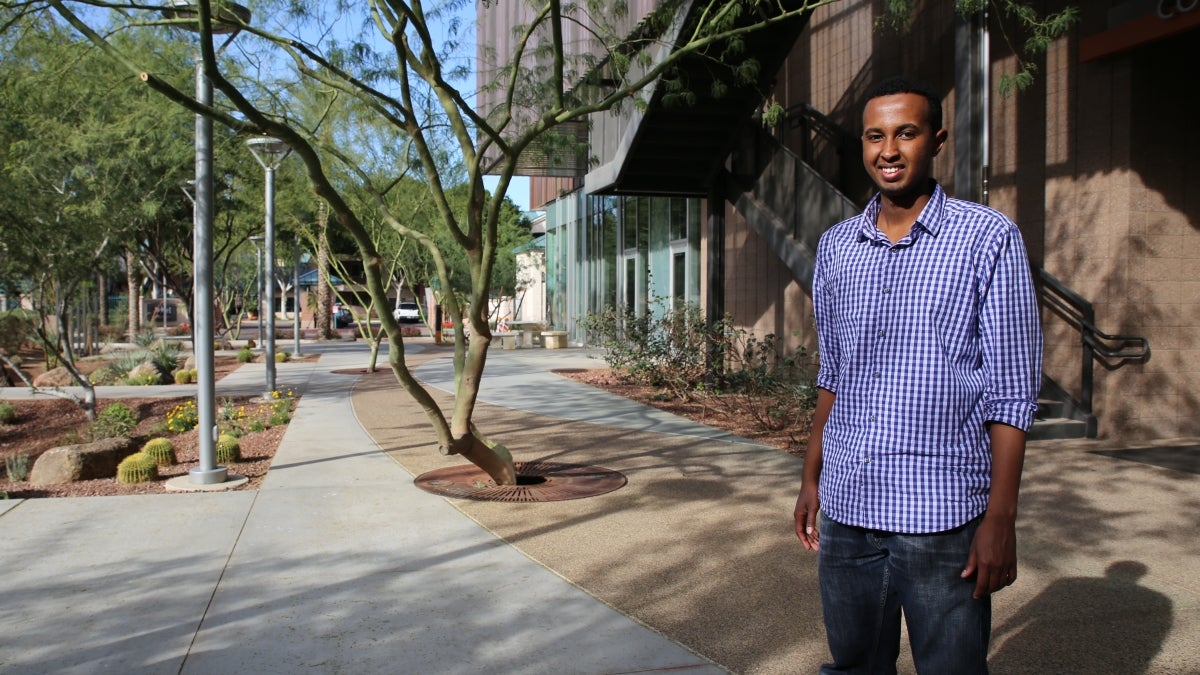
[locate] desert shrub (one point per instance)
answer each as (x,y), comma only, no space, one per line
(17,467)
(114,421)
(282,357)
(183,376)
(663,350)
(143,380)
(8,414)
(195,374)
(228,449)
(145,339)
(164,355)
(137,468)
(245,355)
(161,450)
(103,375)
(256,425)
(183,417)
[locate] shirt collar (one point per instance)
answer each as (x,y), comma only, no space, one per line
(930,219)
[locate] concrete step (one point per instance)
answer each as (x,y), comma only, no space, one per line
(1057,427)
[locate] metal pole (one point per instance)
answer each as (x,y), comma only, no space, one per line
(269,281)
(208,472)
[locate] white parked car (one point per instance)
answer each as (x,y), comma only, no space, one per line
(407,312)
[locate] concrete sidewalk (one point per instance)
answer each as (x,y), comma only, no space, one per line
(699,544)
(338,564)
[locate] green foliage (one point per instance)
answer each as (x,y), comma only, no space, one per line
(228,449)
(114,421)
(143,380)
(16,327)
(164,355)
(145,339)
(665,351)
(161,450)
(17,467)
(183,376)
(8,413)
(256,425)
(137,468)
(183,417)
(245,355)
(1040,31)
(670,351)
(281,357)
(103,375)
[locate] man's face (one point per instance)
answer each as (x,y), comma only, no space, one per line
(899,144)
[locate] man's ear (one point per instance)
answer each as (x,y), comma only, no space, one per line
(940,137)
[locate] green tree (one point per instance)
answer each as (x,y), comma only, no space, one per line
(401,75)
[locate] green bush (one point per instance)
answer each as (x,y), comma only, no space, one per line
(17,467)
(114,421)
(668,350)
(282,357)
(165,356)
(8,414)
(143,380)
(183,417)
(256,425)
(245,355)
(103,375)
(279,419)
(137,468)
(145,338)
(161,450)
(228,449)
(16,327)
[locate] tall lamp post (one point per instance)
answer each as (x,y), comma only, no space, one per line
(269,152)
(231,14)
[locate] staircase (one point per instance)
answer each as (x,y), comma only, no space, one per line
(789,205)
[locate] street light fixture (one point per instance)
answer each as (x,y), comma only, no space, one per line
(269,152)
(228,21)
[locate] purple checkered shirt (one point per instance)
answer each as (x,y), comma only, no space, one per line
(923,342)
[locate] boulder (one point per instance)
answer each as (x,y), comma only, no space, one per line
(55,377)
(190,362)
(80,462)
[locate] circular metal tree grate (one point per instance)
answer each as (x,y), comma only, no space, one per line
(536,482)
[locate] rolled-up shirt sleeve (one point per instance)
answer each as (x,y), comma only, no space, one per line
(823,301)
(1011,334)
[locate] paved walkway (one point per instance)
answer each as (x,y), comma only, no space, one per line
(338,564)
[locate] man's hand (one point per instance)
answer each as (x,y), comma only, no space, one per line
(993,556)
(807,506)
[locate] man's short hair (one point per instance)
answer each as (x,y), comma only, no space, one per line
(903,85)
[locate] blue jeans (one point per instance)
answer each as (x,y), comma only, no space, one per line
(867,577)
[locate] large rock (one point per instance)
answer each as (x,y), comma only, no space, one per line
(80,462)
(55,377)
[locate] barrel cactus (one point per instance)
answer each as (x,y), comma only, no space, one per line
(161,450)
(228,449)
(137,468)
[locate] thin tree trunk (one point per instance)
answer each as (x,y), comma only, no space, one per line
(324,299)
(134,286)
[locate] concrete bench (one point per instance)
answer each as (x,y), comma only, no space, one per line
(509,340)
(554,339)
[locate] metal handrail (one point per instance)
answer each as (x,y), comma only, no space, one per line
(1082,316)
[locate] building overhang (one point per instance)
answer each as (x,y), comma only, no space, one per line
(678,149)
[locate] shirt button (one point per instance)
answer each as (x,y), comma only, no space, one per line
(867,460)
(886,290)
(877,374)
(872,418)
(882,333)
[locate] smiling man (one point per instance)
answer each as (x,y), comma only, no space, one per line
(930,347)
